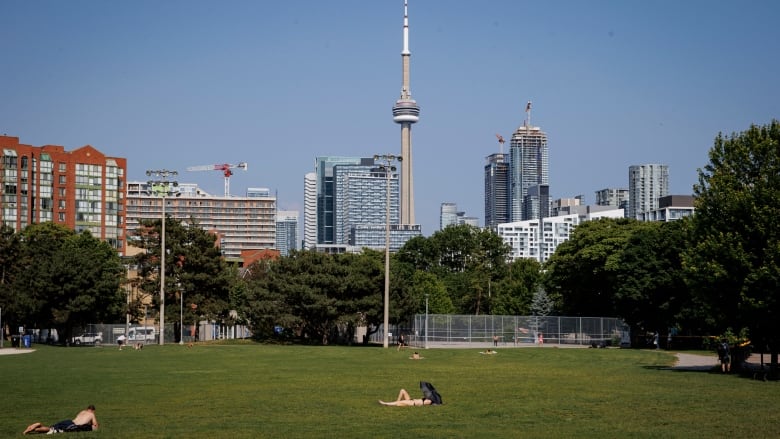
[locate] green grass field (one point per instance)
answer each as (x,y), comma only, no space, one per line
(245,390)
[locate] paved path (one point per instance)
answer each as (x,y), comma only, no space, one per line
(695,362)
(10,351)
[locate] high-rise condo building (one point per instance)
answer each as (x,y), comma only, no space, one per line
(326,187)
(497,190)
(352,205)
(617,197)
(286,231)
(528,166)
(361,193)
(406,112)
(646,184)
(81,189)
(448,215)
(310,211)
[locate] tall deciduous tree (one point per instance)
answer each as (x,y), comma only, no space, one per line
(651,294)
(582,271)
(194,266)
(734,268)
(66,280)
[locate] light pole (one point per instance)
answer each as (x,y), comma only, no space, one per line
(385,164)
(181,316)
(164,182)
(426,321)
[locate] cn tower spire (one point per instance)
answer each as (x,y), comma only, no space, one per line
(406,112)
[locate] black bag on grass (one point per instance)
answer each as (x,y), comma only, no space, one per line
(429,392)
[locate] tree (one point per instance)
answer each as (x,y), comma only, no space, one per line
(582,271)
(651,294)
(466,259)
(513,293)
(194,265)
(10,251)
(541,306)
(65,280)
(734,266)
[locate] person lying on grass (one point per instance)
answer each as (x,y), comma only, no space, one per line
(430,397)
(404,400)
(84,421)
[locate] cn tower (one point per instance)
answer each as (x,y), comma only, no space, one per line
(406,112)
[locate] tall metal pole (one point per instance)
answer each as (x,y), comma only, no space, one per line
(162,275)
(165,183)
(426,321)
(387,159)
(181,316)
(128,288)
(387,261)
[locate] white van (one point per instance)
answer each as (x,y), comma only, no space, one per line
(141,333)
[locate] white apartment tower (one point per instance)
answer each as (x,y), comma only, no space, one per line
(310,211)
(646,184)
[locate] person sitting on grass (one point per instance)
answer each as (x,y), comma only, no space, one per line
(488,352)
(416,356)
(404,400)
(84,421)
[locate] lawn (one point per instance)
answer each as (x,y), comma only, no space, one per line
(245,390)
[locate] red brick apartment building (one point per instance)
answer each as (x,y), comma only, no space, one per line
(82,189)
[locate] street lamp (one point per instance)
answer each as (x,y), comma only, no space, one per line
(426,321)
(181,316)
(385,164)
(163,183)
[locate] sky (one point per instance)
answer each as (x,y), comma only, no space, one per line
(173,84)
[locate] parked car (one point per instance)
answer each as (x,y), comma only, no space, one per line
(88,338)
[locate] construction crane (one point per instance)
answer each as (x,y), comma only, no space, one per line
(500,143)
(226,170)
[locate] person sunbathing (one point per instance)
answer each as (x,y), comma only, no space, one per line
(84,421)
(404,400)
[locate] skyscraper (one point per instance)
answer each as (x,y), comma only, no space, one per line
(286,231)
(309,211)
(646,184)
(528,166)
(496,190)
(448,215)
(361,198)
(406,112)
(325,192)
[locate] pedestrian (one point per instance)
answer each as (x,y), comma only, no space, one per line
(541,339)
(724,355)
(495,340)
(655,339)
(121,341)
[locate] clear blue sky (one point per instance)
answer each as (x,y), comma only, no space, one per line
(172,84)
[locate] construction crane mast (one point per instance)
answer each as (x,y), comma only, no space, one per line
(226,169)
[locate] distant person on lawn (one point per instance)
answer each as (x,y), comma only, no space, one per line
(84,421)
(404,400)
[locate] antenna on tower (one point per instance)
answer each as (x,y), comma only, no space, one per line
(528,115)
(500,143)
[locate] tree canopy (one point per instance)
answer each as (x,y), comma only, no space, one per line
(734,265)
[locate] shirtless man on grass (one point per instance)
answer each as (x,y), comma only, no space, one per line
(84,421)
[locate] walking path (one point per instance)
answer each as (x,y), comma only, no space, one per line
(9,351)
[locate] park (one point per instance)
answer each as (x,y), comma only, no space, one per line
(243,389)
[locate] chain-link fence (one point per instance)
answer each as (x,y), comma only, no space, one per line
(97,334)
(445,329)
